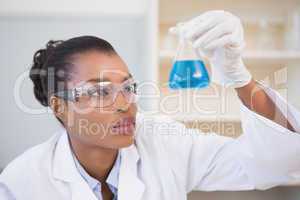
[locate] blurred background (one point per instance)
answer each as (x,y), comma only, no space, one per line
(138,29)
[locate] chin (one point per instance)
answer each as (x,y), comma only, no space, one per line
(126,141)
(123,141)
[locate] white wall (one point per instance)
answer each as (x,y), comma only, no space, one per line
(66,7)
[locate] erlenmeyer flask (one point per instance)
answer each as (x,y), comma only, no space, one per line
(188,69)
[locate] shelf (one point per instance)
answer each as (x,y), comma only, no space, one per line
(274,58)
(249,11)
(275,54)
(167,53)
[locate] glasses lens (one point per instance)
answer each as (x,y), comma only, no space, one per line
(129,91)
(101,95)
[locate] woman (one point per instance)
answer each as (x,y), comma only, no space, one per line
(106,151)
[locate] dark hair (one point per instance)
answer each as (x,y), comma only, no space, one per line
(52,65)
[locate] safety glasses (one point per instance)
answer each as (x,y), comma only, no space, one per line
(100,94)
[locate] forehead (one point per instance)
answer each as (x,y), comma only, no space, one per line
(96,66)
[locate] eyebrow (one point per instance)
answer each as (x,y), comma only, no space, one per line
(104,79)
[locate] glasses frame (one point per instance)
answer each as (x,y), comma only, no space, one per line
(78,91)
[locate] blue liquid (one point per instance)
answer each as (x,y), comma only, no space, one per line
(188,74)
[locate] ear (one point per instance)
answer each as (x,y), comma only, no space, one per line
(59,107)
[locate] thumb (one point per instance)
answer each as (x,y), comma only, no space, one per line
(173,30)
(177,30)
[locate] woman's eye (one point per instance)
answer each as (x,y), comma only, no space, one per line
(130,88)
(101,92)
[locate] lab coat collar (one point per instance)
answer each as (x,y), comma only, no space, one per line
(130,185)
(64,169)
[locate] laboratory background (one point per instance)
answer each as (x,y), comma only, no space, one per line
(138,29)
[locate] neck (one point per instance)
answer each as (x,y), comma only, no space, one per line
(96,161)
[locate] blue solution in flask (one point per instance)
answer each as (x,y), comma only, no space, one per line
(188,69)
(189,73)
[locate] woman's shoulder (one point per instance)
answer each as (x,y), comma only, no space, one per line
(30,161)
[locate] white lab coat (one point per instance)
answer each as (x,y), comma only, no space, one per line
(167,161)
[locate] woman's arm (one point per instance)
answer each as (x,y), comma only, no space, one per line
(256,99)
(5,193)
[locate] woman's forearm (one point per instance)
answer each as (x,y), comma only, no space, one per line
(255,98)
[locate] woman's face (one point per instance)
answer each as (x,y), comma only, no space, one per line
(112,126)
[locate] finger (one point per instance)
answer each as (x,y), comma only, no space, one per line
(205,16)
(197,27)
(238,37)
(194,31)
(221,42)
(213,34)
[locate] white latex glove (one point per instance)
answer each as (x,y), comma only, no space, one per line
(219,36)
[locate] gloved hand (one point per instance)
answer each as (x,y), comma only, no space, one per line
(219,36)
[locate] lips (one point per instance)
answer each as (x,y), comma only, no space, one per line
(125,126)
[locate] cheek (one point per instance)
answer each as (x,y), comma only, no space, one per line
(133,108)
(96,122)
(91,124)
(93,128)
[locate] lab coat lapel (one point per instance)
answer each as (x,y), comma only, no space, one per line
(130,186)
(64,169)
(82,191)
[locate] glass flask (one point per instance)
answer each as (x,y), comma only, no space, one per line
(188,70)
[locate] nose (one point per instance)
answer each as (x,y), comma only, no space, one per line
(121,104)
